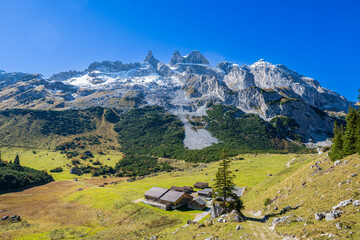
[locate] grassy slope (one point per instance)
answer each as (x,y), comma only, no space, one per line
(321,193)
(43,160)
(111,212)
(43,145)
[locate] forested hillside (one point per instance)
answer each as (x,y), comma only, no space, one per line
(346,137)
(14,176)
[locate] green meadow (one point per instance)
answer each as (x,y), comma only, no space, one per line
(60,210)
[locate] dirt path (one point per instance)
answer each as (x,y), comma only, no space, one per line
(288,164)
(262,231)
(138,200)
(200,216)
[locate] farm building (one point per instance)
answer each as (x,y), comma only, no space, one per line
(155,193)
(197,204)
(207,192)
(201,185)
(238,191)
(175,199)
(166,199)
(185,189)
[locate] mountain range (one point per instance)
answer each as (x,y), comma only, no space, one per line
(185,87)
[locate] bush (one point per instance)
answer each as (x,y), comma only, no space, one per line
(14,176)
(111,116)
(140,166)
(58,169)
(267,201)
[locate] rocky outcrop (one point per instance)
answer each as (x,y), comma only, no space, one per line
(184,87)
(216,210)
(194,57)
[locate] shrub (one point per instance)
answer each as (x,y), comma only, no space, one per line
(58,169)
(267,201)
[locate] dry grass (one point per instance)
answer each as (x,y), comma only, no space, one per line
(101,181)
(44,210)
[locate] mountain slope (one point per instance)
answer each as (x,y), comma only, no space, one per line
(183,87)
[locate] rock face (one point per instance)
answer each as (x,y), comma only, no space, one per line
(194,57)
(216,210)
(184,87)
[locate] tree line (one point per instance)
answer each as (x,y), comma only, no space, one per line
(14,176)
(346,139)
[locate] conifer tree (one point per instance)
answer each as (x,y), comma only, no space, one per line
(351,133)
(358,129)
(17,160)
(224,184)
(338,144)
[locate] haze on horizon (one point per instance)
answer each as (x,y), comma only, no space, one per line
(317,39)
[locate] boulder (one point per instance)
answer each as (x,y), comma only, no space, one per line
(154,237)
(356,203)
(238,218)
(4,218)
(212,238)
(332,215)
(191,222)
(338,226)
(216,210)
(353,175)
(342,204)
(319,216)
(15,218)
(201,225)
(278,220)
(238,227)
(338,162)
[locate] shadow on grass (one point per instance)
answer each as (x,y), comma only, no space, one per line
(267,216)
(186,209)
(23,188)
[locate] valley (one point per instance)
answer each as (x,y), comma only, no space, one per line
(111,132)
(60,210)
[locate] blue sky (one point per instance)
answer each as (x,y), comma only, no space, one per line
(319,39)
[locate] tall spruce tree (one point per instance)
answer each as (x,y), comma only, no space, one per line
(338,143)
(351,133)
(357,144)
(224,185)
(17,160)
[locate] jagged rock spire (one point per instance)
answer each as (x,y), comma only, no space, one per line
(151,59)
(176,58)
(194,57)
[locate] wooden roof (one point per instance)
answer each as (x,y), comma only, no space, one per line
(206,191)
(156,192)
(172,196)
(199,201)
(239,191)
(201,184)
(179,189)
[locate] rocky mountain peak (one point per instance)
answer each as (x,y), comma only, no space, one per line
(151,59)
(261,63)
(176,58)
(194,57)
